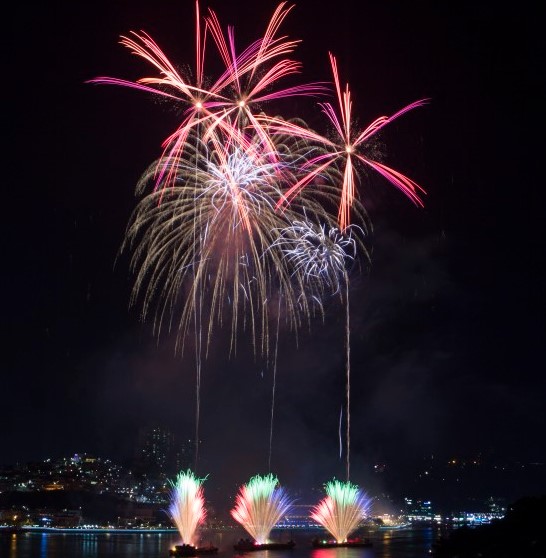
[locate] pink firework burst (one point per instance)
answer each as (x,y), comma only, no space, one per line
(346,149)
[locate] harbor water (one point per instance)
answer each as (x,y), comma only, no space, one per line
(396,543)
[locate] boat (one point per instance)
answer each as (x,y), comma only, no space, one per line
(351,543)
(246,545)
(189,550)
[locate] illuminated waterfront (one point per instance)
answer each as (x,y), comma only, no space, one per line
(400,543)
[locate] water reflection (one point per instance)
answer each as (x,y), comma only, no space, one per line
(342,552)
(13,546)
(43,546)
(90,546)
(387,538)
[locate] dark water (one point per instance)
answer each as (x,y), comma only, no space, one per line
(407,543)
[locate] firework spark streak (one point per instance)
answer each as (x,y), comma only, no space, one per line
(187,508)
(259,505)
(341,511)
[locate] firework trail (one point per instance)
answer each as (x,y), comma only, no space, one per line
(348,383)
(187,508)
(274,386)
(341,511)
(259,505)
(322,254)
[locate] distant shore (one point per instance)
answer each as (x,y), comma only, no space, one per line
(82,530)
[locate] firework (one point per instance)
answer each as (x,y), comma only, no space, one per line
(321,253)
(228,190)
(187,508)
(241,209)
(259,505)
(220,177)
(210,240)
(341,511)
(226,105)
(347,150)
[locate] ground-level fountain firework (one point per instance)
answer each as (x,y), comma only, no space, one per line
(259,505)
(342,510)
(187,508)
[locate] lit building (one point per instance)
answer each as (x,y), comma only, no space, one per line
(418,510)
(159,454)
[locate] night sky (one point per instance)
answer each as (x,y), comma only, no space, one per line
(448,331)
